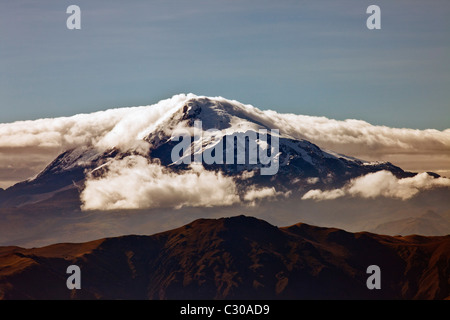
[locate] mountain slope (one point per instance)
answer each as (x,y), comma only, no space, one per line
(233,258)
(430,223)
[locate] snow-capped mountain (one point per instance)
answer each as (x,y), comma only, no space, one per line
(301,164)
(297,159)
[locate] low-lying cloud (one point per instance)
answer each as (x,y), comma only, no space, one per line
(380,184)
(136,183)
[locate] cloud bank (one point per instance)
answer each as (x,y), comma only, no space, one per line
(136,183)
(380,184)
(114,127)
(27,147)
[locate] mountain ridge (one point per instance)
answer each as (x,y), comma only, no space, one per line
(239,257)
(427,224)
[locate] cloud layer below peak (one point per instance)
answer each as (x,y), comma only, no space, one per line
(380,184)
(135,183)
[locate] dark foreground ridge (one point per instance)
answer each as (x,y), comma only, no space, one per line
(233,258)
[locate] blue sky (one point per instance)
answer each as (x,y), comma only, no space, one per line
(305,57)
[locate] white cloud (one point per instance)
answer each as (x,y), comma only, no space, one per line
(257,194)
(134,183)
(381,183)
(317,194)
(104,129)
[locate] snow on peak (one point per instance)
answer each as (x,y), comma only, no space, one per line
(220,113)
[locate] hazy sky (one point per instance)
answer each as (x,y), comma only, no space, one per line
(305,57)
